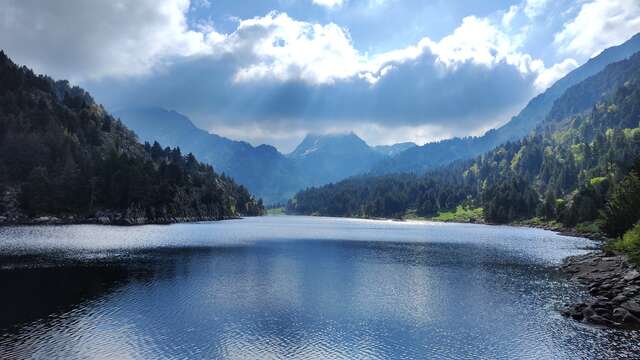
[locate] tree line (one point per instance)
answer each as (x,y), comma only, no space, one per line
(63,154)
(573,169)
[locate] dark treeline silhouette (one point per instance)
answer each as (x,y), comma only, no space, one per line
(575,168)
(63,154)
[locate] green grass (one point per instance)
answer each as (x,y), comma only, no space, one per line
(276,211)
(460,214)
(588,228)
(628,244)
(411,215)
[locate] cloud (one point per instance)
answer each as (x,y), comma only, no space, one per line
(277,47)
(329,3)
(275,71)
(598,25)
(533,8)
(554,73)
(93,39)
(282,48)
(509,15)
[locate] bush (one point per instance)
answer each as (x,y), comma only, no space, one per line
(630,244)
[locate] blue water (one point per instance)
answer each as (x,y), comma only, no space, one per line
(293,288)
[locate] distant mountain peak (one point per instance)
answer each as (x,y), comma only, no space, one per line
(334,143)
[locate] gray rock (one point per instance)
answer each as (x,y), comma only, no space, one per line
(619,299)
(631,275)
(624,317)
(588,312)
(600,320)
(632,306)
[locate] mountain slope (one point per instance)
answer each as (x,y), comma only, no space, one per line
(563,172)
(62,154)
(329,158)
(318,159)
(428,156)
(263,170)
(395,149)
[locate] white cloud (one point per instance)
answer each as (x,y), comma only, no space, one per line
(279,47)
(276,67)
(94,39)
(110,39)
(598,25)
(554,73)
(533,8)
(329,3)
(509,15)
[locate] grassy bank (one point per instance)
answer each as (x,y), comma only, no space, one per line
(461,214)
(276,211)
(628,244)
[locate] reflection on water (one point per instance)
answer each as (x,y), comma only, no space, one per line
(292,287)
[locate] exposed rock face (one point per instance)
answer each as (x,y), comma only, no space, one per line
(614,284)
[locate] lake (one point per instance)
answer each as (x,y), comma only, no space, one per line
(293,288)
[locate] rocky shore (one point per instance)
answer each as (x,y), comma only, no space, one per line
(102,218)
(614,284)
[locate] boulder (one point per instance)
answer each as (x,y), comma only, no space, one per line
(624,317)
(632,306)
(600,320)
(631,275)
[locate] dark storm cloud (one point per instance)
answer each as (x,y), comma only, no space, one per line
(416,92)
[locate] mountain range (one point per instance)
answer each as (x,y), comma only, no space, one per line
(323,159)
(271,175)
(578,168)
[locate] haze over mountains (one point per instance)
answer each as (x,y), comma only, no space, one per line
(271,175)
(322,159)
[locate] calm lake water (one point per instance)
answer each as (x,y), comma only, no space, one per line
(293,288)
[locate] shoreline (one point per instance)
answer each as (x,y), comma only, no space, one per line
(610,278)
(111,220)
(614,285)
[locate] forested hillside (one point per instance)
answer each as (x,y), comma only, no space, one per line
(433,155)
(63,155)
(262,169)
(576,167)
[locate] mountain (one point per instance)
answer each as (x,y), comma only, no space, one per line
(63,155)
(395,149)
(262,169)
(318,159)
(579,167)
(429,156)
(329,158)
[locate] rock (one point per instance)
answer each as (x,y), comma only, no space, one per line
(632,306)
(630,290)
(599,320)
(104,220)
(619,299)
(631,275)
(588,312)
(602,311)
(624,317)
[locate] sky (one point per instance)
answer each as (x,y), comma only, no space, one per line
(271,71)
